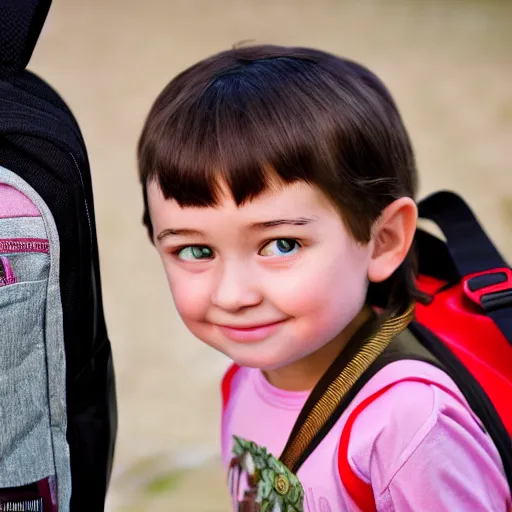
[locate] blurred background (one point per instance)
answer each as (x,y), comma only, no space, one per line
(449,66)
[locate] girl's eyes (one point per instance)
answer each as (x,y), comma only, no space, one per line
(195,253)
(275,248)
(280,247)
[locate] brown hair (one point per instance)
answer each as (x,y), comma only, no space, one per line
(251,114)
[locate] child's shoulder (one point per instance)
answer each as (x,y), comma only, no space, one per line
(403,403)
(419,428)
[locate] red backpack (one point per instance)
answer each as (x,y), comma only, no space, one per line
(471,310)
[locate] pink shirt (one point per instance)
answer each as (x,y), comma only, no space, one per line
(418,445)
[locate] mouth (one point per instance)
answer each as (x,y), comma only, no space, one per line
(250,333)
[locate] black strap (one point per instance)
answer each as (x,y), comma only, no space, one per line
(503,319)
(470,248)
(21,22)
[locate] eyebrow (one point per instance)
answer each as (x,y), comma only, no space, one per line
(299,221)
(178,232)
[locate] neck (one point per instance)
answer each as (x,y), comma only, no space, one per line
(303,375)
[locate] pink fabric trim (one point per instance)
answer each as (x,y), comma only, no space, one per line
(14,203)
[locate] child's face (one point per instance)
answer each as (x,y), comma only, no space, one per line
(267,283)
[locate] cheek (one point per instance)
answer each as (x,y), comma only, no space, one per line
(190,295)
(325,301)
(325,286)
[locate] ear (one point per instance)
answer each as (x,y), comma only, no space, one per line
(392,236)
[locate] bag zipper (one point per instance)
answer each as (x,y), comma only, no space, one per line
(20,245)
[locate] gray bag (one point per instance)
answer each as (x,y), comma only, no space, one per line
(58,417)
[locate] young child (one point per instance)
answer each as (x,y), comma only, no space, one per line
(279,189)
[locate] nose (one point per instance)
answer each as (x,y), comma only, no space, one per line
(235,287)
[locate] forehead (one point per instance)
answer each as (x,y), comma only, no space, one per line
(286,200)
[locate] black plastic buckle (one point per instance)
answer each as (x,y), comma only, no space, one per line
(491,289)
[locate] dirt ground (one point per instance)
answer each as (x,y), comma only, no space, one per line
(449,66)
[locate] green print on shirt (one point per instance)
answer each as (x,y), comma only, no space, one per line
(272,486)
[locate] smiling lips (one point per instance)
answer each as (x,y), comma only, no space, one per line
(251,333)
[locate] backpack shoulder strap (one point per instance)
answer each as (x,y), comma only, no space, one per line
(486,276)
(469,246)
(226,384)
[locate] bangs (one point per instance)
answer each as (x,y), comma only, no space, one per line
(248,128)
(253,118)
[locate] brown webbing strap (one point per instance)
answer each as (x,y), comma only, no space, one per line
(331,392)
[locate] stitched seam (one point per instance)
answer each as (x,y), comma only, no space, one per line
(365,478)
(418,442)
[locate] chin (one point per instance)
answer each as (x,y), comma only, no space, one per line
(262,361)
